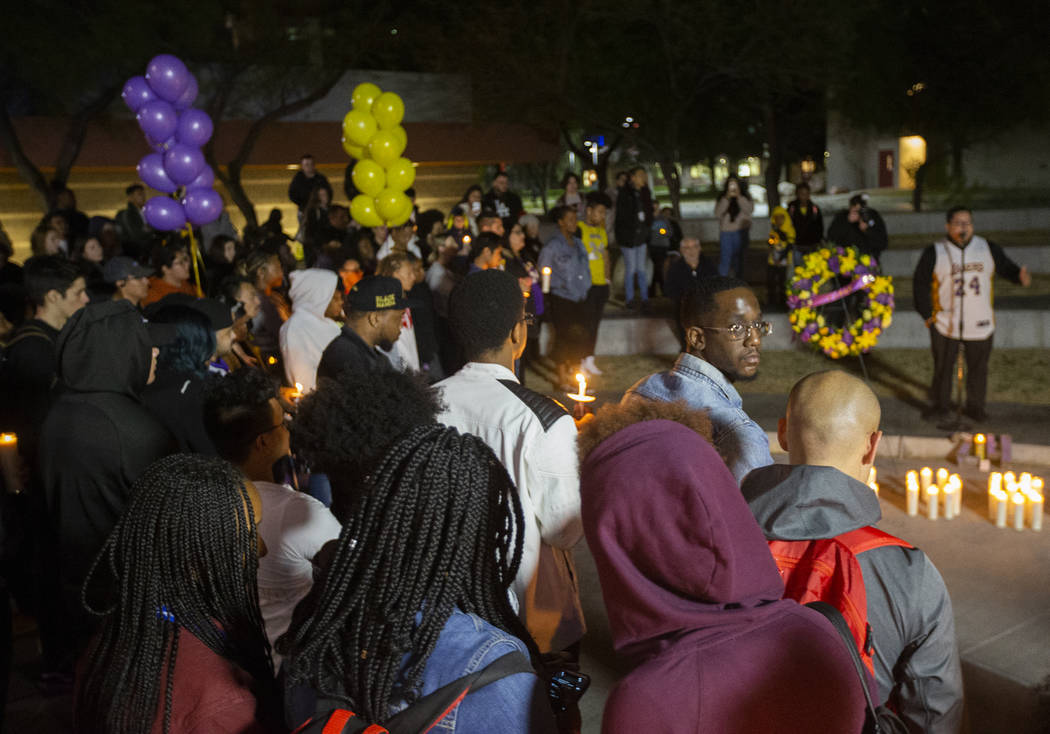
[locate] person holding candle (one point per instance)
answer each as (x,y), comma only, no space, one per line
(533,437)
(831,433)
(566,303)
(953,294)
(723,330)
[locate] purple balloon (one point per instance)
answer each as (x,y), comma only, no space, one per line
(167,77)
(161,147)
(137,93)
(151,170)
(205,179)
(194,127)
(157,119)
(183,163)
(202,205)
(189,95)
(164,214)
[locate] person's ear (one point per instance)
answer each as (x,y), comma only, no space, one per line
(694,339)
(519,333)
(52,297)
(872,448)
(782,434)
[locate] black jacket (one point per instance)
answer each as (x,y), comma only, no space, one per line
(97,438)
(301,186)
(176,400)
(349,351)
(872,241)
(508,206)
(634,216)
(681,278)
(809,227)
(29,368)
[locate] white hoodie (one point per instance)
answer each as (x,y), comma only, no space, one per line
(307,332)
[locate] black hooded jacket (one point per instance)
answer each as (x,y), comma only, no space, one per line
(97,438)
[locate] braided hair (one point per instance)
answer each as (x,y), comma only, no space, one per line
(183,560)
(435,530)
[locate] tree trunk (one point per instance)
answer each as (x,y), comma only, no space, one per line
(711,163)
(77,131)
(25,167)
(773,165)
(669,169)
(958,174)
(920,185)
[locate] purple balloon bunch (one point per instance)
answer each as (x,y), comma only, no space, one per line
(162,102)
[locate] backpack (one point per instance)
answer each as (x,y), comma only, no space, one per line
(827,570)
(9,412)
(426,712)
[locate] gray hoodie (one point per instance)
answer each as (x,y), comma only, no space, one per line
(916,655)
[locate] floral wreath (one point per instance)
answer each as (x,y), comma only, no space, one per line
(805,299)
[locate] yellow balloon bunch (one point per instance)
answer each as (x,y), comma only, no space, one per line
(373,136)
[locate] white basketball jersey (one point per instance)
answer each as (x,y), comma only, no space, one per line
(962,290)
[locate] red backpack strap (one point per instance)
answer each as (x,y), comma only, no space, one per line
(869,538)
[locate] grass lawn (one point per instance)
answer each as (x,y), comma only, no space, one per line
(1015,375)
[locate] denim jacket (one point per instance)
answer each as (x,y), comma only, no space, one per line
(741,442)
(517,704)
(570,269)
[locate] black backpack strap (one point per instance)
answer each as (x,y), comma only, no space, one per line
(834,616)
(427,711)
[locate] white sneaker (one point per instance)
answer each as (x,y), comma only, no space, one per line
(590,367)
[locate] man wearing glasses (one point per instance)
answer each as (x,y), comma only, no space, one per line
(723,330)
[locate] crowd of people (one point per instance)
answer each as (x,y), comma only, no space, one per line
(303,475)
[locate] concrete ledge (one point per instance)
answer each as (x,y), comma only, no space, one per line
(651,335)
(926,447)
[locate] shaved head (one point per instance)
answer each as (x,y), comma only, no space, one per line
(832,420)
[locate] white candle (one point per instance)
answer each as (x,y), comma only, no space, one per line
(1035,511)
(995,482)
(1017,502)
(950,492)
(956,482)
(942,476)
(932,500)
(10,463)
(980,445)
(1025,481)
(1009,478)
(925,479)
(912,477)
(913,499)
(1000,501)
(546,281)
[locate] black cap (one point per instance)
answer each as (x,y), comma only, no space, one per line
(216,311)
(376,293)
(122,268)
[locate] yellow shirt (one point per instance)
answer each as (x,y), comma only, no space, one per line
(596,242)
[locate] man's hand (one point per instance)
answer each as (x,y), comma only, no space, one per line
(863,225)
(1024,276)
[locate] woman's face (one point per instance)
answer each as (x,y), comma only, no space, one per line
(350,273)
(474,197)
(323,197)
(516,238)
(733,188)
(572,185)
(229,251)
(532,229)
(250,298)
(93,250)
(271,275)
(52,242)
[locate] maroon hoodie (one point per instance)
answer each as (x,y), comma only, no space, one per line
(693,598)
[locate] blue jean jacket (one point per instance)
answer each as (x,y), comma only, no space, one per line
(517,704)
(741,442)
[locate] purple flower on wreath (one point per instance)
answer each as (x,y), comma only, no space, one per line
(833,263)
(794,302)
(872,325)
(847,338)
(886,299)
(805,284)
(861,270)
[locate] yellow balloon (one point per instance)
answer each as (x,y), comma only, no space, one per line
(403,216)
(400,174)
(385,148)
(401,134)
(358,127)
(388,109)
(363,210)
(368,177)
(357,152)
(390,204)
(364,96)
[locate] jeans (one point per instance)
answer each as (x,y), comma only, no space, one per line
(945,354)
(634,268)
(731,249)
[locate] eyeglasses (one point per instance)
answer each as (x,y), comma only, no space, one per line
(529,319)
(738,332)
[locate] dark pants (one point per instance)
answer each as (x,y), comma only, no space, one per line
(776,282)
(945,352)
(658,255)
(569,319)
(597,296)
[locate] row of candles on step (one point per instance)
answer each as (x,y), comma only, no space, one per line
(941,498)
(1015,500)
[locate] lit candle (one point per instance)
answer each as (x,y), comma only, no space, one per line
(872,476)
(956,482)
(912,477)
(10,462)
(1000,501)
(913,498)
(1035,510)
(1009,478)
(925,478)
(581,397)
(942,476)
(1017,502)
(298,393)
(932,500)
(950,493)
(1025,481)
(980,446)
(1037,484)
(546,281)
(874,488)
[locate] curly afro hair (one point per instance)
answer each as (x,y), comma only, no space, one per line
(344,427)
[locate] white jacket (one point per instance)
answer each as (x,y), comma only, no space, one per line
(306,333)
(535,439)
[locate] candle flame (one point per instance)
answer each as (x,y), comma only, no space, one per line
(546,271)
(979,438)
(298,387)
(8,438)
(1018,498)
